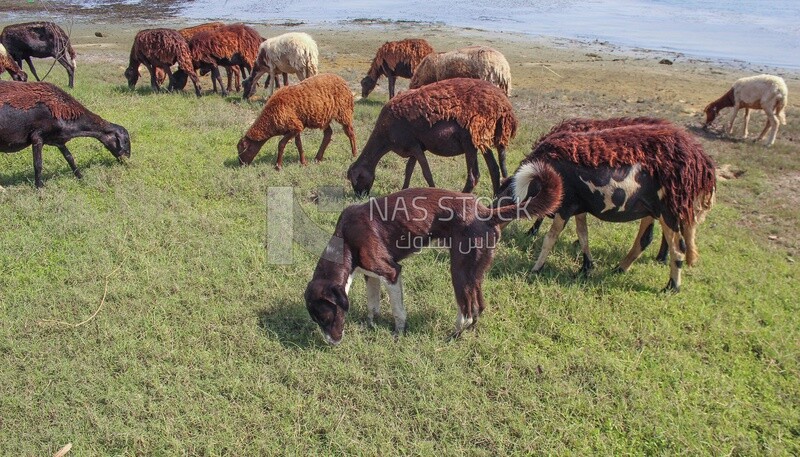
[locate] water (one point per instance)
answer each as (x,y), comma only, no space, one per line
(760,32)
(755,31)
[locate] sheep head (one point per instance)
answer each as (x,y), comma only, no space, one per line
(132,75)
(367,85)
(248,149)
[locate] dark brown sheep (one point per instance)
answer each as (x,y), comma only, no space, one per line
(38,114)
(395,59)
(8,64)
(40,40)
(313,103)
(232,46)
(160,48)
(448,118)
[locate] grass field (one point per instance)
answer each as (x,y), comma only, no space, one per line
(199,346)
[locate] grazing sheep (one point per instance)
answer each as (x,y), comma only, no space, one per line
(395,59)
(38,114)
(8,64)
(478,62)
(448,118)
(40,40)
(765,92)
(232,71)
(160,48)
(293,52)
(313,103)
(623,174)
(372,238)
(586,125)
(232,46)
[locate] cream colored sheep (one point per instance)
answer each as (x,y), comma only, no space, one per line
(765,92)
(293,52)
(476,62)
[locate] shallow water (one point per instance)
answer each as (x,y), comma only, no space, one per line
(763,32)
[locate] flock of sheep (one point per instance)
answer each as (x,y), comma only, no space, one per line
(619,169)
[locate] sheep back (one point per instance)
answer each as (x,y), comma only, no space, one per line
(161,47)
(478,62)
(292,52)
(670,154)
(37,39)
(476,105)
(410,51)
(25,96)
(312,103)
(188,32)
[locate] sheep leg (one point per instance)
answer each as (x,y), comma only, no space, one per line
(274,75)
(676,257)
(282,148)
(351,135)
(215,76)
(536,224)
(68,157)
(640,243)
(412,162)
(327,133)
(494,170)
(775,122)
(549,241)
(473,174)
(501,156)
(37,162)
(690,247)
(733,118)
(66,62)
(398,309)
(30,65)
(583,238)
(373,299)
(299,144)
(746,121)
(285,79)
(426,169)
(392,79)
(154,79)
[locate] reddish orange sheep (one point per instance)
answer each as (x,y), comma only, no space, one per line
(313,103)
(393,59)
(160,48)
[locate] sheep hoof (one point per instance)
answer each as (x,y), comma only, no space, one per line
(278,167)
(618,270)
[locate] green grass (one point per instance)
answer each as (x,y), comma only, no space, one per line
(203,348)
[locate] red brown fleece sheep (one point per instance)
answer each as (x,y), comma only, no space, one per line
(395,59)
(313,103)
(36,114)
(232,46)
(448,118)
(40,40)
(160,48)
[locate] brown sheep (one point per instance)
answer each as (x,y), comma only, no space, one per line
(38,114)
(395,59)
(160,48)
(40,40)
(234,46)
(313,103)
(8,64)
(448,118)
(478,62)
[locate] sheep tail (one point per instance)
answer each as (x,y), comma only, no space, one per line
(537,192)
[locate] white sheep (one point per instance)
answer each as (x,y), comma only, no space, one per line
(293,52)
(476,62)
(765,92)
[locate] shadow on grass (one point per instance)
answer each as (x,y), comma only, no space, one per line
(603,274)
(370,102)
(289,323)
(713,134)
(27,176)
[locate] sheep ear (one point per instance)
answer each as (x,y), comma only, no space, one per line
(340,297)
